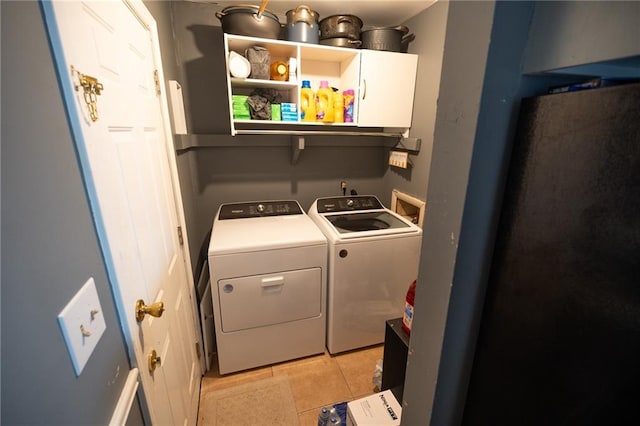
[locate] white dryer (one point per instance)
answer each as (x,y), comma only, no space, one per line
(268,265)
(373,259)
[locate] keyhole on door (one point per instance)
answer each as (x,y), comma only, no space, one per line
(343,253)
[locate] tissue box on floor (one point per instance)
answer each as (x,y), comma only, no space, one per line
(381,409)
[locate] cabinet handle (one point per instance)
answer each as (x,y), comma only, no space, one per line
(364,89)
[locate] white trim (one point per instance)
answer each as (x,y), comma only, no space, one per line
(125,402)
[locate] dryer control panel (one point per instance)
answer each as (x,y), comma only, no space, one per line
(342,204)
(259,209)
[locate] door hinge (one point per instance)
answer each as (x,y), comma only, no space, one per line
(180,237)
(198,349)
(156,79)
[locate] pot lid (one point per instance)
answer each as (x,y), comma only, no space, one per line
(356,20)
(248,8)
(302,13)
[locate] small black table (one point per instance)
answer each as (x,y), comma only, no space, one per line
(394,361)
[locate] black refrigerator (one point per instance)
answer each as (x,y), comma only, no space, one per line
(559,338)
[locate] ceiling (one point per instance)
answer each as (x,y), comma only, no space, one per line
(379,13)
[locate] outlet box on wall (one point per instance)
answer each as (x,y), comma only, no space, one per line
(408,207)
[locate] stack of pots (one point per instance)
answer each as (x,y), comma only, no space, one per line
(341,31)
(302,25)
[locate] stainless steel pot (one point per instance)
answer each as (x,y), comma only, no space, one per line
(386,38)
(343,26)
(244,20)
(302,25)
(341,42)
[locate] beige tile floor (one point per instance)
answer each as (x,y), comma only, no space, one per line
(316,381)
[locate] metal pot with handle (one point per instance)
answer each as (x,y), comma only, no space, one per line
(341,42)
(302,25)
(249,20)
(386,38)
(340,26)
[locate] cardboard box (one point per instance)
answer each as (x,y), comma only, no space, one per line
(381,409)
(289,116)
(276,113)
(289,107)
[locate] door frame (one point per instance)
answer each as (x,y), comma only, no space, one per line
(68,97)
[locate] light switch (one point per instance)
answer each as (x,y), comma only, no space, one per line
(82,324)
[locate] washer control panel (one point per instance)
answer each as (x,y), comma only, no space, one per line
(259,209)
(341,204)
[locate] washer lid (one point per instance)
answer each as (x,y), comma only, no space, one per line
(369,223)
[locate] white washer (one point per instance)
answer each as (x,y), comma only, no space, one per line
(268,264)
(373,259)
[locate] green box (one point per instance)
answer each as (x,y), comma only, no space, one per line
(275,112)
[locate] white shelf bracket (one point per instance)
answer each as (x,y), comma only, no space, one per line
(297,145)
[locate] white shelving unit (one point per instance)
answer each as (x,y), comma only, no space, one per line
(383,82)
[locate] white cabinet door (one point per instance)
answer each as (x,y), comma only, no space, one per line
(387,86)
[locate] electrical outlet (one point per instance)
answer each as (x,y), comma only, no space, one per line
(82,324)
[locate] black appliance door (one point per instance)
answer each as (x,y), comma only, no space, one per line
(559,340)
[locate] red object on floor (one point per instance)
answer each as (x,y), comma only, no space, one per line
(407,317)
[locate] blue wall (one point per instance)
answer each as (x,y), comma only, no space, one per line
(49,243)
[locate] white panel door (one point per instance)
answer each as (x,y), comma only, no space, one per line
(128,166)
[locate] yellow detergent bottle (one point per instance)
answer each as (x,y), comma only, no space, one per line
(338,107)
(307,102)
(324,103)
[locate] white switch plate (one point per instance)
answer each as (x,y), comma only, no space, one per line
(399,159)
(82,324)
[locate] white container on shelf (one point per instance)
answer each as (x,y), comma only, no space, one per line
(239,66)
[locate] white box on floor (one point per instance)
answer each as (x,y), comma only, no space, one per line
(381,409)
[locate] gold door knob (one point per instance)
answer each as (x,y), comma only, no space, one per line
(154,361)
(155,310)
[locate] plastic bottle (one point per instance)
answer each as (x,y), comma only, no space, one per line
(338,107)
(324,103)
(348,96)
(333,413)
(334,421)
(279,71)
(324,416)
(407,317)
(307,102)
